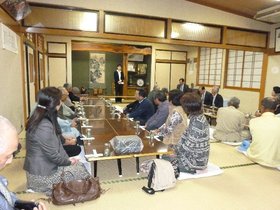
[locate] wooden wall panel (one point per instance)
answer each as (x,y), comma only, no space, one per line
(196,32)
(162,76)
(57,71)
(246,38)
(177,71)
(134,26)
(62,18)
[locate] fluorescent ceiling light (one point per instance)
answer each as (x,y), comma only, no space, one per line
(89,22)
(193,27)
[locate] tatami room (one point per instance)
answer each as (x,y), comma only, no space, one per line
(232,44)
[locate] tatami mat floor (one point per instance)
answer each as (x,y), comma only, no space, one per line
(243,185)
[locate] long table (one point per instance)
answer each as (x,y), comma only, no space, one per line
(104,128)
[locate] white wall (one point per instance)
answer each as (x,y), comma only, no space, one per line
(11,105)
(272,35)
(273,74)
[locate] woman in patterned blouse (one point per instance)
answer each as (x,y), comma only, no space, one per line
(176,123)
(192,151)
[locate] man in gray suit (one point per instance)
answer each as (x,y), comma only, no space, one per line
(161,114)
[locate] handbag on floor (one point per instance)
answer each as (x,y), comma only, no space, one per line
(161,176)
(75,191)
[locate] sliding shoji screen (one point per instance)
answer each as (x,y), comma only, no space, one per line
(210,66)
(244,69)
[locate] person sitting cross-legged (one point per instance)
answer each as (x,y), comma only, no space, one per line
(177,120)
(144,109)
(46,158)
(192,150)
(159,118)
(230,123)
(265,146)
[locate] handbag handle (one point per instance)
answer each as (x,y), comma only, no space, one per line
(63,174)
(85,190)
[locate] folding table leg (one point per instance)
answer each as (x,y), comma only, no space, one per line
(120,167)
(95,168)
(137,165)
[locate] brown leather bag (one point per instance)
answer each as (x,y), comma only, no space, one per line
(76,191)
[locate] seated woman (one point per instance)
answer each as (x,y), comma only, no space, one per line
(45,157)
(192,151)
(177,120)
(70,137)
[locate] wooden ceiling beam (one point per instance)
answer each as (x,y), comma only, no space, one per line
(91,46)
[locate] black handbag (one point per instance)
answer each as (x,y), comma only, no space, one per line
(26,205)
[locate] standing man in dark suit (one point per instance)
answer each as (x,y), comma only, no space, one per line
(119,78)
(182,86)
(206,97)
(218,100)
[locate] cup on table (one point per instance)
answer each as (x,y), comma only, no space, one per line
(137,127)
(88,132)
(86,122)
(151,138)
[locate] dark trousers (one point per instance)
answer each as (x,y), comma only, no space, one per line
(72,150)
(119,92)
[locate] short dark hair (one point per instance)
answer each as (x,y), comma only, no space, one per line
(182,79)
(119,65)
(269,103)
(141,92)
(202,88)
(164,90)
(276,89)
(160,95)
(191,103)
(175,96)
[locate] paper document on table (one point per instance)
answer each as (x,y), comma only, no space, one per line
(119,109)
(140,126)
(157,138)
(86,126)
(87,138)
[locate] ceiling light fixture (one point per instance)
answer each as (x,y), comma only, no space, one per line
(193,27)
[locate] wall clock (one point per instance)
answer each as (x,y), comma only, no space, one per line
(140,82)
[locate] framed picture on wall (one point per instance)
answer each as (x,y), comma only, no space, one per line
(131,66)
(142,68)
(277,40)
